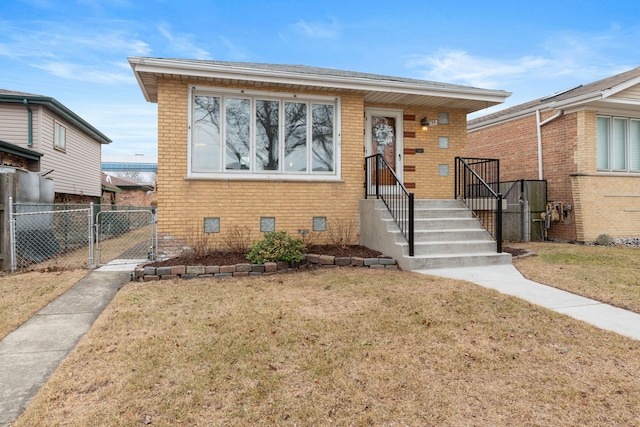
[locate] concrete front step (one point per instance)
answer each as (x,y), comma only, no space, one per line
(446,235)
(440,224)
(453,261)
(451,248)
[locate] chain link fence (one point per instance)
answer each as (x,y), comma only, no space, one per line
(127,235)
(66,236)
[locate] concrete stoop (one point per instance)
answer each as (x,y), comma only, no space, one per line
(446,235)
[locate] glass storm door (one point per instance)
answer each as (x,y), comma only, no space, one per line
(383,135)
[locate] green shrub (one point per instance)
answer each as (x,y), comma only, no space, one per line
(277,246)
(604,240)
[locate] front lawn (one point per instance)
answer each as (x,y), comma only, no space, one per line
(338,346)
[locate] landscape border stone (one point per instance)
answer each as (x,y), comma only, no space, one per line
(144,273)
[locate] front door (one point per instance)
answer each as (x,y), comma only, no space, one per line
(383,135)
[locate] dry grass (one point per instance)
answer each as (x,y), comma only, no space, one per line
(340,346)
(23,294)
(609,274)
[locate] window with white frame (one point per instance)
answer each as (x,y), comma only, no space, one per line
(618,144)
(59,136)
(260,134)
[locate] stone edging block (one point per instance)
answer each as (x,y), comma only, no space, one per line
(147,274)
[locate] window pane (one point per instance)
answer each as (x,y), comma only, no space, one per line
(619,143)
(267,132)
(602,142)
(322,142)
(205,140)
(237,132)
(634,145)
(295,136)
(60,136)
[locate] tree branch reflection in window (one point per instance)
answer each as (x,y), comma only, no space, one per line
(237,133)
(205,148)
(322,143)
(267,132)
(295,136)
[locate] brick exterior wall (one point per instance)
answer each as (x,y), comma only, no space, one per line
(184,203)
(596,202)
(12,160)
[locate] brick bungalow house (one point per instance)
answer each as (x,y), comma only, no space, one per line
(125,192)
(585,142)
(282,147)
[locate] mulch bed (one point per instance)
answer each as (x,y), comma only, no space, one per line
(231,258)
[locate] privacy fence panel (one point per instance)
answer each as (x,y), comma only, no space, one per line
(525,200)
(66,236)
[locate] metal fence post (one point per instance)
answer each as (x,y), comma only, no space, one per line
(12,235)
(91,254)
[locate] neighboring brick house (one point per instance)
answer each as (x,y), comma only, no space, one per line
(18,157)
(282,147)
(70,148)
(585,142)
(124,192)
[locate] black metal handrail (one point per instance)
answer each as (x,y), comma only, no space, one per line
(477,184)
(382,181)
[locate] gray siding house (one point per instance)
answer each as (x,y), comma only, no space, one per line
(70,147)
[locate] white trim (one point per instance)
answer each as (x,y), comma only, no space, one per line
(308,77)
(267,175)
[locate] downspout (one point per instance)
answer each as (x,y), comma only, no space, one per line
(29,122)
(539,128)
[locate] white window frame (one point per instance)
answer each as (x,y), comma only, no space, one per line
(59,136)
(630,150)
(264,175)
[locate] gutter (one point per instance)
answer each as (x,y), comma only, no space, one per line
(539,125)
(29,122)
(58,108)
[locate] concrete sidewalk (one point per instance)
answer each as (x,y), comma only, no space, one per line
(508,280)
(30,354)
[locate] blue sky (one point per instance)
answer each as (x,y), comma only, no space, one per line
(76,50)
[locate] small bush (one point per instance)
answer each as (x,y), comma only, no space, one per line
(199,244)
(277,246)
(604,240)
(238,239)
(343,233)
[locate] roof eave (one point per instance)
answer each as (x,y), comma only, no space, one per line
(547,106)
(58,108)
(216,71)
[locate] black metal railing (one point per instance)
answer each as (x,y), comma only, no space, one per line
(477,184)
(382,182)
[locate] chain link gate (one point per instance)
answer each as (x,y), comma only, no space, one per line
(50,236)
(126,236)
(66,236)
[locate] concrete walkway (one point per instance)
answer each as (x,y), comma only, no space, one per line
(30,354)
(508,280)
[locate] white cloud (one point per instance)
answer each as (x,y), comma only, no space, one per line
(562,60)
(317,30)
(182,44)
(86,73)
(457,66)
